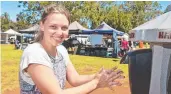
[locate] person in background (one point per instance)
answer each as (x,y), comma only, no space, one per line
(131,45)
(124,46)
(141,44)
(45,65)
(17,44)
(109,42)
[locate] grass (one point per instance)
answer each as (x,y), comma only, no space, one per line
(87,64)
(10,59)
(10,67)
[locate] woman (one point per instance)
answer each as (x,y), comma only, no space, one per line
(124,46)
(45,64)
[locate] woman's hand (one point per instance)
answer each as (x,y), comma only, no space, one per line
(102,78)
(113,75)
(106,78)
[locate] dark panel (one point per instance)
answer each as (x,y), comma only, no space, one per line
(169,74)
(140,63)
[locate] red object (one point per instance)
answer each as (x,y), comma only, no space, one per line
(124,44)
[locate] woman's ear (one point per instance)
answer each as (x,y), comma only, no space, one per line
(41,26)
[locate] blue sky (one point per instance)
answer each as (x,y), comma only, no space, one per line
(11,7)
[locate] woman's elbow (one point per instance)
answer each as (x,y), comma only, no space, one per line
(52,92)
(74,83)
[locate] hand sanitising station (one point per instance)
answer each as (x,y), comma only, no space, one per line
(150,69)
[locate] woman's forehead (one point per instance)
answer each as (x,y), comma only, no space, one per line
(57,18)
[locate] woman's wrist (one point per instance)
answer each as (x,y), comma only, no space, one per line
(95,81)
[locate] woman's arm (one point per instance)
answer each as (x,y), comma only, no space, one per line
(47,83)
(74,78)
(82,89)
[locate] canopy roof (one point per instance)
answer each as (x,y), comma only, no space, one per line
(75,27)
(12,32)
(104,28)
(160,22)
(32,29)
(155,30)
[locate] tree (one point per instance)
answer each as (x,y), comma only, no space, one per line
(33,9)
(123,16)
(141,11)
(6,23)
(22,21)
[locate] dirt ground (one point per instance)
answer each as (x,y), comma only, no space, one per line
(124,89)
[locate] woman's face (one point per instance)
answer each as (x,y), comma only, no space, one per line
(55,28)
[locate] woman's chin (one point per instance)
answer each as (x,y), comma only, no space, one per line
(56,43)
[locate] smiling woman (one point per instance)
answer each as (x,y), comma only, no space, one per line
(45,65)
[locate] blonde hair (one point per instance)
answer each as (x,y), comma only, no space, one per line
(53,8)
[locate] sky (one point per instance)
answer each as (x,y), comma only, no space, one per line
(11,7)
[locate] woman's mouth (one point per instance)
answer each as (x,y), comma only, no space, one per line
(59,39)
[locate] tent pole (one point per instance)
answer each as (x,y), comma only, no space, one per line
(6,38)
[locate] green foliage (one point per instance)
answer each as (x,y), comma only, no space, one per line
(122,16)
(22,22)
(6,23)
(139,12)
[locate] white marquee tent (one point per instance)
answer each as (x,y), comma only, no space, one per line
(12,32)
(5,35)
(156,30)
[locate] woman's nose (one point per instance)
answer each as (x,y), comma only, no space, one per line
(59,31)
(62,33)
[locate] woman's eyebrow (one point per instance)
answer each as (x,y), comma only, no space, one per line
(59,24)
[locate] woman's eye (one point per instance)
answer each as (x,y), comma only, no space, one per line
(64,28)
(53,27)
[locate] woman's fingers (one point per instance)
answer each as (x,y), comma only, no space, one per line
(115,77)
(107,77)
(112,74)
(101,70)
(121,77)
(119,71)
(111,70)
(114,68)
(111,84)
